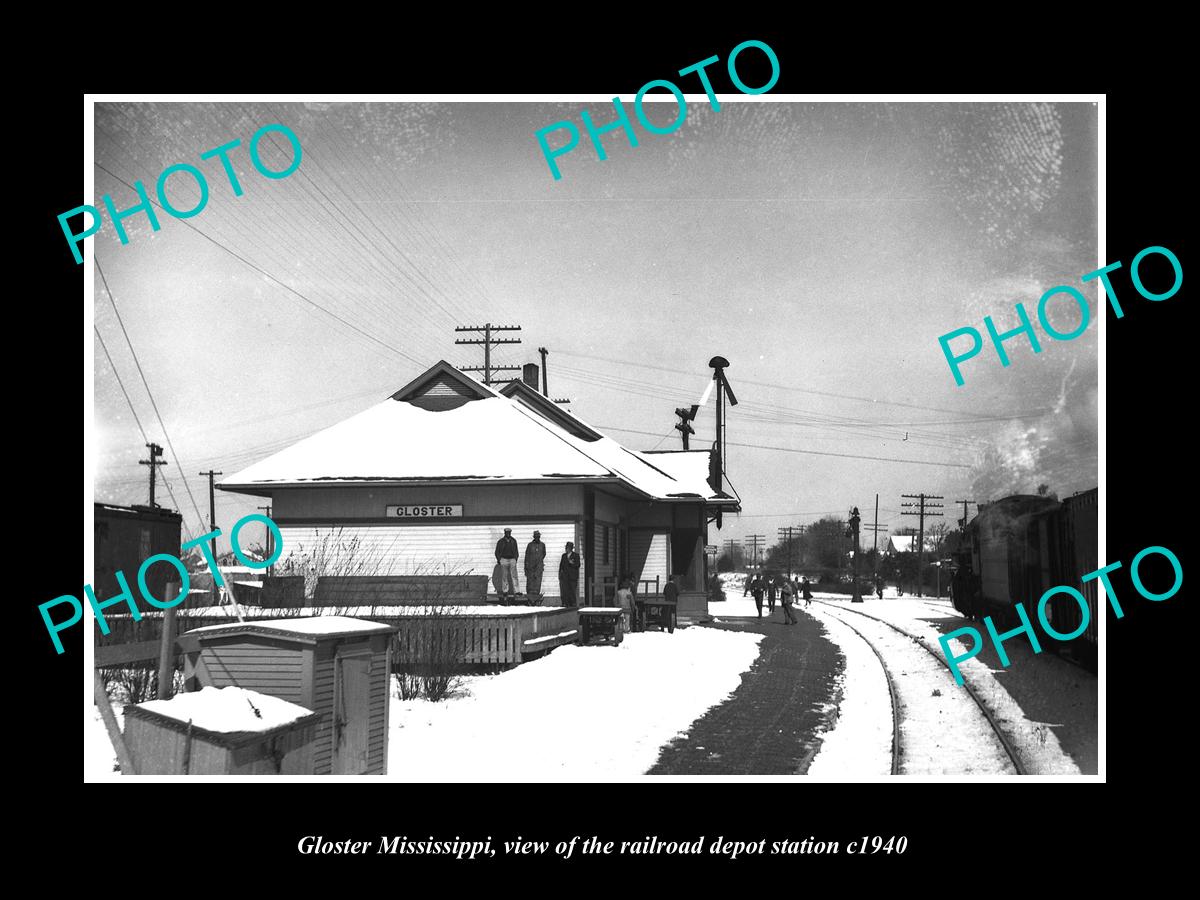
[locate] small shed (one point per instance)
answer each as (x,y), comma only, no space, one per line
(220,731)
(336,666)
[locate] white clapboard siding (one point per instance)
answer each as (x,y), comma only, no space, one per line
(410,549)
(650,549)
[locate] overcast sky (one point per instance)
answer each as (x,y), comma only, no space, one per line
(821,248)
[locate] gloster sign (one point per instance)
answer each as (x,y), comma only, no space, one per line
(445,511)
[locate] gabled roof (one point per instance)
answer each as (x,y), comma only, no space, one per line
(445,427)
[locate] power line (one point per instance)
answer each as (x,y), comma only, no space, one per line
(286,220)
(781,387)
(915,462)
(383,254)
(267,274)
(149,393)
(112,365)
(775,415)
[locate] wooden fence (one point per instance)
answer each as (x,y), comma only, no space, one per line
(495,638)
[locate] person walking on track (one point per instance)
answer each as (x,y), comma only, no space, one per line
(785,599)
(506,556)
(806,591)
(755,586)
(772,591)
(535,559)
(568,576)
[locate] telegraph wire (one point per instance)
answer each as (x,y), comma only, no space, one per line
(283,218)
(428,232)
(452,316)
(835,424)
(781,387)
(918,462)
(145,438)
(267,274)
(332,206)
(146,384)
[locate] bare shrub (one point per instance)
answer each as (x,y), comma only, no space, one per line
(428,656)
(408,685)
(132,683)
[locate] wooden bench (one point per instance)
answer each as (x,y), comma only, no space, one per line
(602,624)
(401,590)
(546,642)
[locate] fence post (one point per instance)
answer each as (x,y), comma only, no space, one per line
(110,725)
(166,653)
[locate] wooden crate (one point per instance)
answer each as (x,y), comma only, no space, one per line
(163,745)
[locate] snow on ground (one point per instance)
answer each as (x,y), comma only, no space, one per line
(942,731)
(580,713)
(228,710)
(859,744)
(1038,746)
(99,758)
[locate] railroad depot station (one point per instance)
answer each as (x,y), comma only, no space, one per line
(425,483)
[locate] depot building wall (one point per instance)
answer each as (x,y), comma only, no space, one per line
(346,530)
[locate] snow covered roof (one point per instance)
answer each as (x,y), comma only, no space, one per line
(907,543)
(444,427)
(226,711)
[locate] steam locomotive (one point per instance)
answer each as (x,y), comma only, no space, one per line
(1016,549)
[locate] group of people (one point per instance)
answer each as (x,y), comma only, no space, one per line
(782,589)
(507,584)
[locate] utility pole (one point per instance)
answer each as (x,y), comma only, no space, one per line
(754,540)
(545,378)
(785,534)
(153,462)
(876,528)
(684,425)
(962,523)
(212,507)
(852,531)
(488,342)
(729,546)
(270,550)
(800,529)
(922,508)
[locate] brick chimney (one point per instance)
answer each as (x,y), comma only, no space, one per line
(529,375)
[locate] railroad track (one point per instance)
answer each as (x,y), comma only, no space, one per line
(1001,737)
(1059,651)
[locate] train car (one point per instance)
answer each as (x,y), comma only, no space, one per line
(1018,548)
(1077,525)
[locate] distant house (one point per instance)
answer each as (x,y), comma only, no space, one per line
(427,481)
(907,543)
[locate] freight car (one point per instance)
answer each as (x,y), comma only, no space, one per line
(1018,548)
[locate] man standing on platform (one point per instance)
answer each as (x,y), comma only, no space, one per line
(568,576)
(506,556)
(535,558)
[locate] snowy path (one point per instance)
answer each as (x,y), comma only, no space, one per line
(942,730)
